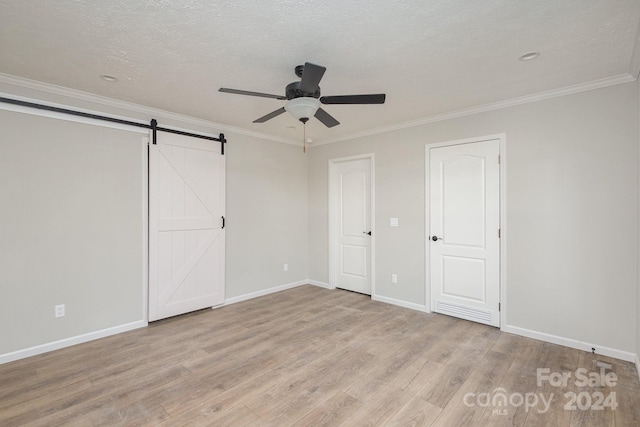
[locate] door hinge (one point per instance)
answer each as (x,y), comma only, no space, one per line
(499,234)
(499,307)
(498,158)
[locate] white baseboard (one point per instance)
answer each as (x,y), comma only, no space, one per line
(79,339)
(67,342)
(320,284)
(400,303)
(568,342)
(263,292)
(324,285)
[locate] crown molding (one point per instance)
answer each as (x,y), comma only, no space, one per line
(188,120)
(568,90)
(126,107)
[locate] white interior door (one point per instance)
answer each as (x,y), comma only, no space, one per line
(186,235)
(351,194)
(464,199)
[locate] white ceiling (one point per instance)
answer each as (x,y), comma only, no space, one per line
(429,56)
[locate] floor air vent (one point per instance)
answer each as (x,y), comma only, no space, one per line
(463,312)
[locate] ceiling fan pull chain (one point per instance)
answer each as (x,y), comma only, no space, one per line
(304,135)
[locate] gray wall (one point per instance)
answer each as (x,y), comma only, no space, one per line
(267,215)
(572,191)
(571,216)
(72,222)
(72,230)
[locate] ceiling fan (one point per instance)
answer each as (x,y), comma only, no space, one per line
(304,97)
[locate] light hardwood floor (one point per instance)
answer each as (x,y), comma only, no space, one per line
(309,357)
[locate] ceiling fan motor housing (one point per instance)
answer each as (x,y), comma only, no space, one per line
(304,97)
(293,91)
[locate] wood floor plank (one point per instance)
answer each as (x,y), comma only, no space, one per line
(466,407)
(424,373)
(587,395)
(417,412)
(238,415)
(298,395)
(557,360)
(305,356)
(201,402)
(379,407)
(396,371)
(446,383)
(332,412)
(519,379)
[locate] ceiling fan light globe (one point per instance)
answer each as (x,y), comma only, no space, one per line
(302,108)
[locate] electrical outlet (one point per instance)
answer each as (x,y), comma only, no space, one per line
(59,310)
(394,278)
(286,267)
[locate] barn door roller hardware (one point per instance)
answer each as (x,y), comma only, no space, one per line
(153,125)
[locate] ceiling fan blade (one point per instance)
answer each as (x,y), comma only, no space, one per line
(270,115)
(246,92)
(311,76)
(374,98)
(327,119)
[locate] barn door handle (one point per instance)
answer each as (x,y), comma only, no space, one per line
(367,232)
(436,238)
(223,222)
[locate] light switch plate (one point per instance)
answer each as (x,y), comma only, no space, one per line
(393,222)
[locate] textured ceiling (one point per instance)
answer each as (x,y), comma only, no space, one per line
(429,56)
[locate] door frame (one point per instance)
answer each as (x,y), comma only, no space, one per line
(332,223)
(501,137)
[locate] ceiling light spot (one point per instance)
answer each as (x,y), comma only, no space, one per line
(529,56)
(291,127)
(108,78)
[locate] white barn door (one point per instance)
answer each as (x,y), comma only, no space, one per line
(186,234)
(464,242)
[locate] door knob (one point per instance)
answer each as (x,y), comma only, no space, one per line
(436,238)
(367,232)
